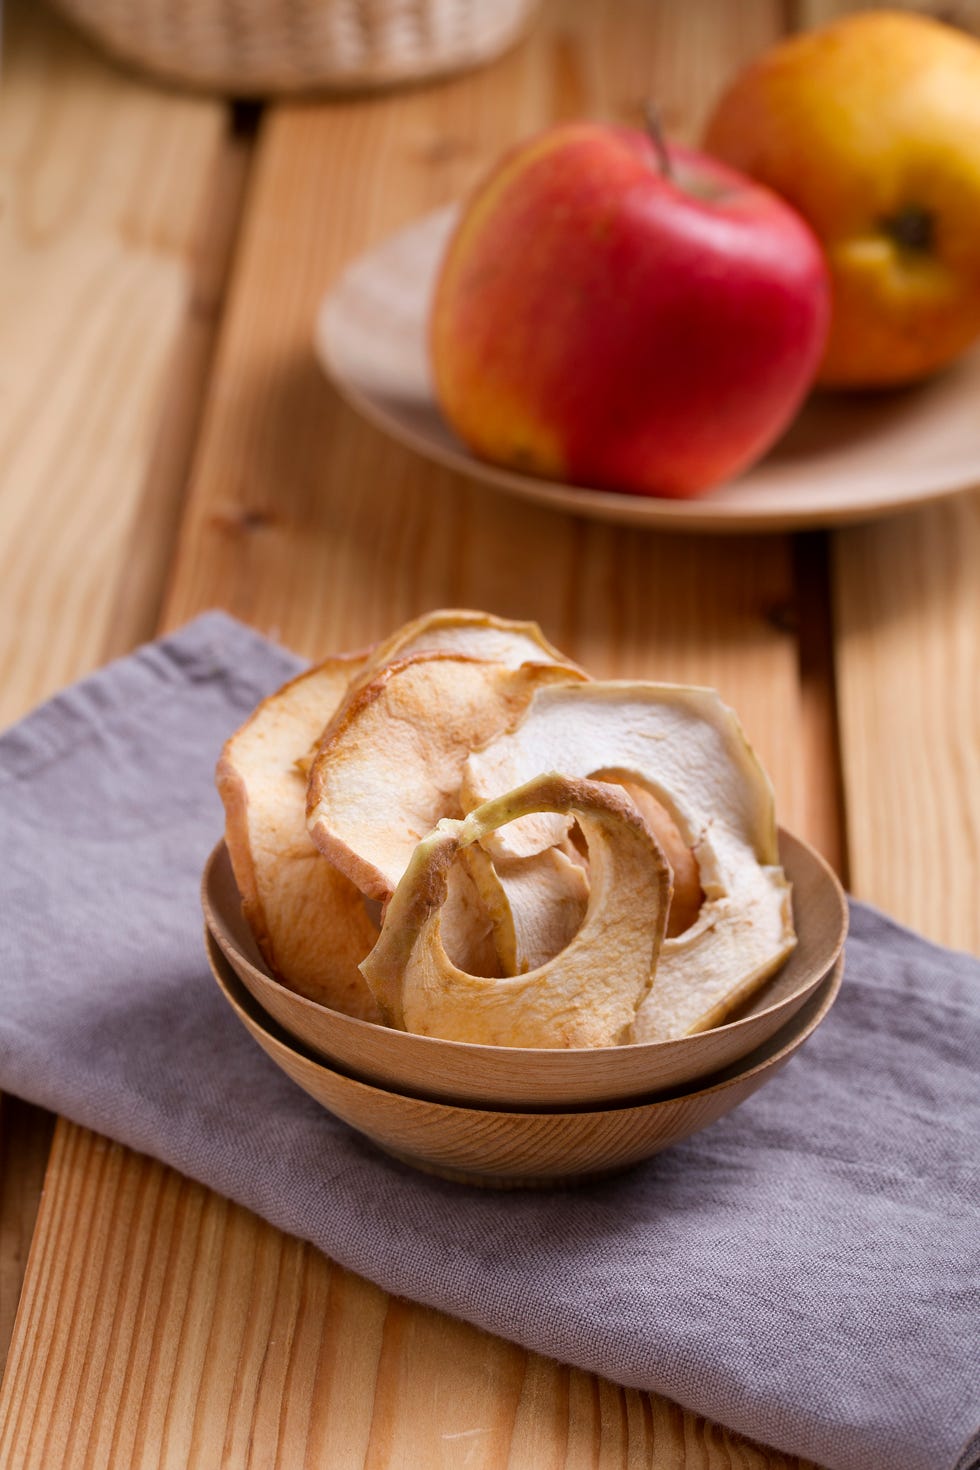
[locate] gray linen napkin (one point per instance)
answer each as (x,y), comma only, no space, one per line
(807,1271)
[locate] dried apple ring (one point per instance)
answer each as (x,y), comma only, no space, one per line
(463,633)
(308,920)
(585,996)
(687,748)
(388,768)
(537,903)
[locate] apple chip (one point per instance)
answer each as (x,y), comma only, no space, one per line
(538,903)
(308,920)
(388,767)
(585,996)
(687,899)
(687,749)
(463,632)
(457,631)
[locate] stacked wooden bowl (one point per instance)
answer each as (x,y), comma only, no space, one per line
(518,1116)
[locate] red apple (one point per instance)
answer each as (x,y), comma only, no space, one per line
(614,313)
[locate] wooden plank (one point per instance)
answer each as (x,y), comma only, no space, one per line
(101,285)
(164,1326)
(907,612)
(146,560)
(110,278)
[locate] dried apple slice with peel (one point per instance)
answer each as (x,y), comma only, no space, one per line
(464,632)
(308,920)
(538,903)
(687,748)
(459,631)
(686,902)
(388,766)
(585,996)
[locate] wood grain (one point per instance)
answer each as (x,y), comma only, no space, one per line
(104,195)
(161,1325)
(907,610)
(105,277)
(146,559)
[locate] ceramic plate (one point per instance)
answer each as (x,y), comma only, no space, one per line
(846,458)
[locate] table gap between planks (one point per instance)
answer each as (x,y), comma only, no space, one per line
(159,1324)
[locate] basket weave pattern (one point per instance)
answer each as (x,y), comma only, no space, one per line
(250,46)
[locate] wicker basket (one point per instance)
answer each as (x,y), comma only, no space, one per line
(248,47)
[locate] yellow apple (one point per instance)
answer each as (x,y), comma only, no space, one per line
(871,128)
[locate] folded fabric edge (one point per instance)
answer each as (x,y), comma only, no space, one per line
(214,645)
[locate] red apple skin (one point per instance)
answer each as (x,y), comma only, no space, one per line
(597,322)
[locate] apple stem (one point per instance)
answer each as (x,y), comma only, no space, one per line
(655,129)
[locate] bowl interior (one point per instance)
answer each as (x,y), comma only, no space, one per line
(514,1077)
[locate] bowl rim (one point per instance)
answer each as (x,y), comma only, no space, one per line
(219,929)
(814,1011)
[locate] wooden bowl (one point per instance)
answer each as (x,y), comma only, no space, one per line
(516,1077)
(505,1149)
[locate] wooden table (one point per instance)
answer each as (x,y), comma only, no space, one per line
(167,444)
